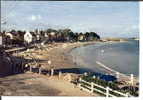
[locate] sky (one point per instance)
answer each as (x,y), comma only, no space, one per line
(108,19)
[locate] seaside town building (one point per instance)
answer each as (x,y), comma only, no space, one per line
(10,35)
(81,37)
(1,40)
(28,37)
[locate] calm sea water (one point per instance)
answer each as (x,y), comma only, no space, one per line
(122,57)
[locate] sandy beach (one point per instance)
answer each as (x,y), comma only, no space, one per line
(33,84)
(58,54)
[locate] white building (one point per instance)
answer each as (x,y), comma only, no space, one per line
(52,33)
(9,35)
(0,40)
(28,37)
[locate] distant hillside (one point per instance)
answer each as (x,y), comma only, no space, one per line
(134,38)
(115,39)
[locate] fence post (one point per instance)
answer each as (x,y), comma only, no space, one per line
(107,91)
(92,87)
(132,79)
(60,74)
(52,72)
(85,74)
(127,94)
(40,70)
(117,75)
(79,84)
(30,68)
(94,77)
(69,77)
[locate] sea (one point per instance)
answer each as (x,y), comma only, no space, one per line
(119,56)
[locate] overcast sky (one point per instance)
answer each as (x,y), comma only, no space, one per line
(106,18)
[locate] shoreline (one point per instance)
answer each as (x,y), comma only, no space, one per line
(123,76)
(61,59)
(110,71)
(28,83)
(33,84)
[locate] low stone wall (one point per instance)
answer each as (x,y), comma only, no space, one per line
(5,64)
(5,68)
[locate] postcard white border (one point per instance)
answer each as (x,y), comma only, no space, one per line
(93,98)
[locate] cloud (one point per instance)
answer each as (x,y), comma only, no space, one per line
(35,17)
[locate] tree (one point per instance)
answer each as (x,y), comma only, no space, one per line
(87,36)
(71,36)
(13,31)
(93,36)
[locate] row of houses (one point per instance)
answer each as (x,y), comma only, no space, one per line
(17,37)
(66,35)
